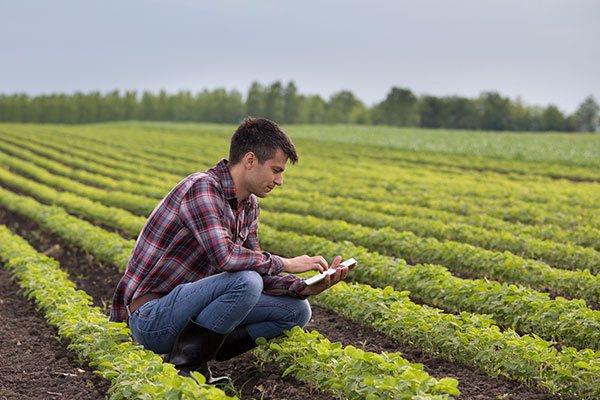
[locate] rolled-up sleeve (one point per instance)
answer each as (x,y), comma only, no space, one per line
(202,212)
(284,285)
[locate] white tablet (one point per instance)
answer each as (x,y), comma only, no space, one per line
(319,277)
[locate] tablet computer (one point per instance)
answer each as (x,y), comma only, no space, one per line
(319,277)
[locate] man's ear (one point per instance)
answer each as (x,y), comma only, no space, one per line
(249,160)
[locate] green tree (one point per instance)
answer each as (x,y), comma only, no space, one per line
(312,109)
(433,112)
(342,107)
(399,108)
(255,101)
(552,119)
(130,105)
(462,113)
(291,104)
(148,107)
(522,117)
(587,116)
(495,111)
(274,102)
(227,106)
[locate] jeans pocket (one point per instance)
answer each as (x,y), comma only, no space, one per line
(147,311)
(155,338)
(151,327)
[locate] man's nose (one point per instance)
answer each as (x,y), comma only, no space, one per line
(278,180)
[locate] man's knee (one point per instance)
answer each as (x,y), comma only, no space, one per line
(303,312)
(250,281)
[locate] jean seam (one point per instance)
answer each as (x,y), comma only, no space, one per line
(227,314)
(224,316)
(281,305)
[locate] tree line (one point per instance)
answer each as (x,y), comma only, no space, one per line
(282,103)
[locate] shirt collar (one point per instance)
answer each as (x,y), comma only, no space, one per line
(221,170)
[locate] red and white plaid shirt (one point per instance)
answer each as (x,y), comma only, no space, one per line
(198,230)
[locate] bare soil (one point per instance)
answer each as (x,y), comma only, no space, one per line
(35,364)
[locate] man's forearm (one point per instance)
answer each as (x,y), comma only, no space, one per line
(284,285)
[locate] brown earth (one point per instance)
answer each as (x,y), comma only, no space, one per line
(35,364)
(250,379)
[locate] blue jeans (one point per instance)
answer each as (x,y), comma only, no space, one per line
(220,303)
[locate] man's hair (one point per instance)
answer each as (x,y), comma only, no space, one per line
(262,137)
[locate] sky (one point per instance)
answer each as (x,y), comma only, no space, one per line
(545,52)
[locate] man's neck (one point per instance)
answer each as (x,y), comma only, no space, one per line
(241,193)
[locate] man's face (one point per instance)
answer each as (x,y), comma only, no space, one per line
(263,178)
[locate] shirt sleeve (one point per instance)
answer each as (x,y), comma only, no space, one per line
(284,285)
(202,212)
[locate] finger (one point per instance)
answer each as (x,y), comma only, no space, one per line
(336,261)
(321,261)
(318,267)
(344,273)
(337,276)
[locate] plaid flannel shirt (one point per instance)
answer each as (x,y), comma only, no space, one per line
(198,230)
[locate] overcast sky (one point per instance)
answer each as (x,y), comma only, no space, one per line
(544,51)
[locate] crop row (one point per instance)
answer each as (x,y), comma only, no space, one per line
(509,209)
(351,372)
(458,257)
(132,202)
(484,164)
(117,218)
(514,237)
(586,236)
(115,250)
(171,134)
(393,180)
(377,173)
(100,178)
(159,147)
(568,321)
(562,255)
(106,346)
(466,338)
(100,164)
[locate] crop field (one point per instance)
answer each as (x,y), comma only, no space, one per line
(478,276)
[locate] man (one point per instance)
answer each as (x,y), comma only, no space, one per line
(197,286)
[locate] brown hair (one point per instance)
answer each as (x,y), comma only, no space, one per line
(262,137)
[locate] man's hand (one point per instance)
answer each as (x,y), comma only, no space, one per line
(304,263)
(329,280)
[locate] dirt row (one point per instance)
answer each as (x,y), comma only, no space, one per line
(35,365)
(250,379)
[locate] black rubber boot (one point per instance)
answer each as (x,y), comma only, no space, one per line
(194,347)
(236,343)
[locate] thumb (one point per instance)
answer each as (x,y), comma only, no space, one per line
(336,261)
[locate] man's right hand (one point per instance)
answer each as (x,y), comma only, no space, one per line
(304,263)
